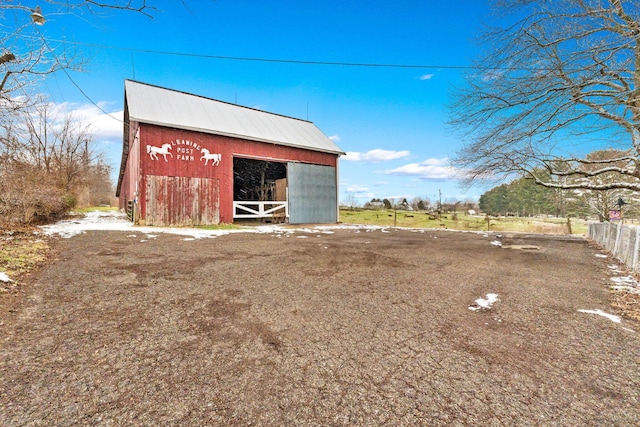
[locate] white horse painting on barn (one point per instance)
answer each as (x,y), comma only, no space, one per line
(214,157)
(154,151)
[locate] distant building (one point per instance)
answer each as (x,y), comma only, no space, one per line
(191,160)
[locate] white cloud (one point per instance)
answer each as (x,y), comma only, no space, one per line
(357,189)
(380,183)
(103,126)
(427,169)
(426,77)
(375,156)
(334,138)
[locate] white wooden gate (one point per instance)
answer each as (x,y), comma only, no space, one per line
(269,209)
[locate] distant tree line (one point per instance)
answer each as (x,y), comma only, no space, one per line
(420,204)
(523,197)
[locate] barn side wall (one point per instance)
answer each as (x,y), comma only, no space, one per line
(130,180)
(183,156)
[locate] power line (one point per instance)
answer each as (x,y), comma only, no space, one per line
(285,61)
(269,60)
(64,69)
(233,58)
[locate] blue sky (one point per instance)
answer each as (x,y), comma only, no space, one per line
(390,121)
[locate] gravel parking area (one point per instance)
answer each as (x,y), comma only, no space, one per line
(342,327)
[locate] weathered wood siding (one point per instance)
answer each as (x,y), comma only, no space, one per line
(180,201)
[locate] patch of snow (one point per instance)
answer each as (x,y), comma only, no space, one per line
(624,280)
(627,288)
(601,256)
(614,268)
(496,243)
(599,312)
(484,303)
(4,278)
(625,283)
(118,221)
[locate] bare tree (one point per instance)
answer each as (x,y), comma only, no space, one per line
(46,160)
(47,164)
(561,80)
(26,54)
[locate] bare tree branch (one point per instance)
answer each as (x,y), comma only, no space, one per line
(564,74)
(28,55)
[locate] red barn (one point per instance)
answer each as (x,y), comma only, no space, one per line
(191,160)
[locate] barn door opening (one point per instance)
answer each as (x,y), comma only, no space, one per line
(259,190)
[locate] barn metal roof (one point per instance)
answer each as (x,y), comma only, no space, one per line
(165,107)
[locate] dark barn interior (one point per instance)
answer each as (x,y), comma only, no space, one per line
(255,180)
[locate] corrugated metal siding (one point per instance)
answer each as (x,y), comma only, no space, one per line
(182,201)
(313,193)
(165,107)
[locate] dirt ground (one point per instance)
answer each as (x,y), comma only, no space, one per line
(352,327)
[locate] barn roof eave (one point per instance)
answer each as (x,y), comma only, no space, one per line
(125,147)
(248,138)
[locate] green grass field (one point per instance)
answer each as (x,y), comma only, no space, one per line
(415,219)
